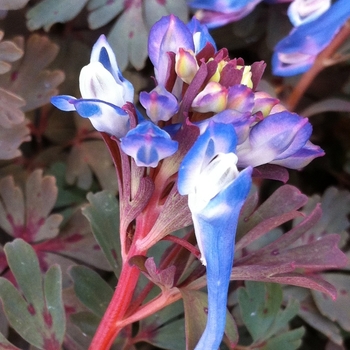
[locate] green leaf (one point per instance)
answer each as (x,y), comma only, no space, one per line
(86,321)
(284,316)
(103,215)
(91,289)
(259,304)
(196,304)
(67,194)
(171,336)
(39,315)
(290,340)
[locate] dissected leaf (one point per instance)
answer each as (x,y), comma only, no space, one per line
(103,215)
(12,4)
(91,156)
(335,205)
(163,278)
(91,289)
(283,259)
(261,312)
(130,24)
(13,137)
(13,125)
(337,310)
(280,207)
(48,12)
(290,340)
(259,304)
(103,11)
(196,305)
(67,195)
(28,77)
(9,52)
(38,316)
(154,10)
(29,216)
(310,314)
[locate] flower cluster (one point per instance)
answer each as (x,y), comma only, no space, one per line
(189,157)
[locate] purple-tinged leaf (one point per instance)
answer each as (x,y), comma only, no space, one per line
(328,105)
(6,345)
(272,172)
(28,216)
(264,227)
(162,278)
(31,71)
(286,199)
(12,5)
(280,274)
(75,241)
(174,214)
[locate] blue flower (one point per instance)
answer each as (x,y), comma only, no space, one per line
(148,144)
(104,92)
(216,192)
(297,52)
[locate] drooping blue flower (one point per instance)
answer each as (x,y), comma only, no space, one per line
(216,192)
(104,92)
(148,144)
(281,138)
(297,52)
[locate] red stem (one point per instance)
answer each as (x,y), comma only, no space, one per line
(109,327)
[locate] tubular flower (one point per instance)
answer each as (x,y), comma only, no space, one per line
(297,52)
(215,211)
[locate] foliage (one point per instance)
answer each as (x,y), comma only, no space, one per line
(120,219)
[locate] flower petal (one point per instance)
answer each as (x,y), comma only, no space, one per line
(64,102)
(104,117)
